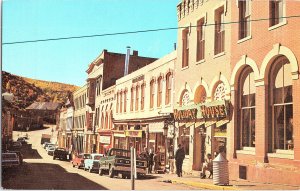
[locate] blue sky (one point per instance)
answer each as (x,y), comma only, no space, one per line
(67,60)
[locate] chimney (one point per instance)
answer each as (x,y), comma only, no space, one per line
(127,61)
(135,53)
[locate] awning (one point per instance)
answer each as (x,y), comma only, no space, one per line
(197,124)
(222,122)
(156,127)
(209,123)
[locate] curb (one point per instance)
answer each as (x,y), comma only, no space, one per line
(204,185)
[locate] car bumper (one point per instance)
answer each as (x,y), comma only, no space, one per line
(128,169)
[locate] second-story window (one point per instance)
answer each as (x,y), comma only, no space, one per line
(142,96)
(121,102)
(159,91)
(244,18)
(132,99)
(137,98)
(118,102)
(98,86)
(125,100)
(185,48)
(152,94)
(200,40)
(276,12)
(219,30)
(168,88)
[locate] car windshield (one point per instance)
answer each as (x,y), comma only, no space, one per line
(97,157)
(9,156)
(86,156)
(124,153)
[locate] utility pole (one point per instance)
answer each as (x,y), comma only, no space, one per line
(133,167)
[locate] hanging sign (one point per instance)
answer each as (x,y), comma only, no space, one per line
(133,133)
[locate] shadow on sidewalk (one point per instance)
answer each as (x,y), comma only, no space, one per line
(45,176)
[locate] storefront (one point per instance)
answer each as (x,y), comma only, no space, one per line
(104,140)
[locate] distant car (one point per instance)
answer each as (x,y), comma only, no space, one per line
(17,145)
(79,160)
(61,154)
(10,160)
(19,154)
(92,163)
(51,150)
(50,147)
(22,140)
(48,144)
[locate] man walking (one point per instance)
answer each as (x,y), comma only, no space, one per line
(179,157)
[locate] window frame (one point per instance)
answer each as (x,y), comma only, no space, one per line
(219,45)
(185,47)
(200,54)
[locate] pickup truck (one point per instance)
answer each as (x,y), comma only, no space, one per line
(10,160)
(117,161)
(92,163)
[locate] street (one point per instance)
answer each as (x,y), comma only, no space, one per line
(40,171)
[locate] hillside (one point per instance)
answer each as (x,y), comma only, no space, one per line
(27,90)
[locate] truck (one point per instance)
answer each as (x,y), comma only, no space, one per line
(45,138)
(117,161)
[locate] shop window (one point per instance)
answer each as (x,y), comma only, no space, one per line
(247,108)
(132,99)
(276,12)
(200,40)
(152,94)
(200,95)
(142,96)
(281,105)
(220,91)
(219,30)
(168,88)
(244,18)
(159,91)
(185,48)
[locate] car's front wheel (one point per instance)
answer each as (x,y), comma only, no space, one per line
(101,172)
(111,173)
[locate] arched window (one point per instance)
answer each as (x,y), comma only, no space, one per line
(220,91)
(132,99)
(159,91)
(106,121)
(102,121)
(247,108)
(152,93)
(121,101)
(117,105)
(125,100)
(185,98)
(281,105)
(143,96)
(168,87)
(110,120)
(200,95)
(137,97)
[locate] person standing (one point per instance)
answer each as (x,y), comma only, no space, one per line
(156,158)
(179,157)
(150,164)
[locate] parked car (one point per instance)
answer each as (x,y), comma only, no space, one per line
(51,150)
(22,140)
(61,154)
(49,147)
(48,144)
(79,160)
(118,161)
(10,160)
(19,154)
(92,163)
(17,145)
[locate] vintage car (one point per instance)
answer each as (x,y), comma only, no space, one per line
(79,160)
(61,153)
(92,163)
(10,160)
(117,161)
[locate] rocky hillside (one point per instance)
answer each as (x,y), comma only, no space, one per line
(27,91)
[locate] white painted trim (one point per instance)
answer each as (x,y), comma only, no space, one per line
(215,81)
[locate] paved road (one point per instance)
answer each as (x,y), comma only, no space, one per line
(40,171)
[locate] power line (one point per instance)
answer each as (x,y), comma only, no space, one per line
(139,31)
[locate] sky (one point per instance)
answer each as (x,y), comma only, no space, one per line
(67,60)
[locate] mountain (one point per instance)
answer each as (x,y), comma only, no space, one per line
(27,90)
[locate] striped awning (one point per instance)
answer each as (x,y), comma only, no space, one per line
(222,122)
(209,123)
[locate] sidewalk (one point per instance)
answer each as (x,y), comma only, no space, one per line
(195,181)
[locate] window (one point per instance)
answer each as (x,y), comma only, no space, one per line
(152,94)
(281,105)
(125,100)
(132,99)
(118,102)
(244,18)
(106,121)
(200,95)
(98,86)
(185,98)
(276,12)
(219,31)
(102,121)
(185,48)
(220,91)
(200,40)
(168,88)
(143,96)
(121,102)
(159,91)
(247,108)
(137,98)
(110,119)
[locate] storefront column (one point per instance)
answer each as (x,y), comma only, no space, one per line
(232,143)
(261,123)
(296,120)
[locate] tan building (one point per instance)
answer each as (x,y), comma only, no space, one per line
(79,122)
(202,74)
(143,107)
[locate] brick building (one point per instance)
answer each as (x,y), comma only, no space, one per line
(265,89)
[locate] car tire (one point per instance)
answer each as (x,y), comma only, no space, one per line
(78,166)
(111,172)
(90,170)
(53,157)
(101,172)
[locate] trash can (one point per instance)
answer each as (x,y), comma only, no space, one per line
(220,170)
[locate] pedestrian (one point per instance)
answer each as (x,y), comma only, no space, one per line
(150,164)
(179,157)
(207,166)
(156,161)
(145,155)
